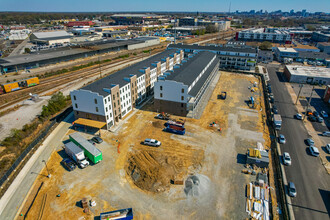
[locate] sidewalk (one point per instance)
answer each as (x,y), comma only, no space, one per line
(16,194)
(310,129)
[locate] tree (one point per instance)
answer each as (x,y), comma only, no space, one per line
(266,45)
(310,27)
(211,28)
(27,50)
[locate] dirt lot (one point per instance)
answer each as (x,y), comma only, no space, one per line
(209,161)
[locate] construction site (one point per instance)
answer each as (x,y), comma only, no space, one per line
(199,175)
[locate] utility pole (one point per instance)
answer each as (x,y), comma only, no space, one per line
(100,66)
(309,101)
(46,169)
(301,86)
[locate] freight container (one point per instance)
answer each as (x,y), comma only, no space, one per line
(1,90)
(9,87)
(123,214)
(32,81)
(93,154)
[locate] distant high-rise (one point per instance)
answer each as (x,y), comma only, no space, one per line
(303,13)
(291,12)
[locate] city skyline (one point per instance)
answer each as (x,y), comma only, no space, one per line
(171,5)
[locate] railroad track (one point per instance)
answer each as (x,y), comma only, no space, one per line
(60,80)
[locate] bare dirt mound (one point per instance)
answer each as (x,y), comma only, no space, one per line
(153,171)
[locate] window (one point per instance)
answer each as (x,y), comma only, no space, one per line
(109,99)
(182,105)
(76,105)
(182,98)
(97,109)
(115,112)
(106,109)
(161,88)
(74,97)
(95,100)
(110,115)
(117,94)
(118,102)
(105,101)
(182,90)
(107,117)
(113,96)
(114,104)
(161,95)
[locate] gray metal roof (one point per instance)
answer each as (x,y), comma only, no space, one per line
(117,78)
(313,55)
(40,56)
(52,34)
(194,91)
(234,48)
(86,144)
(188,71)
(73,147)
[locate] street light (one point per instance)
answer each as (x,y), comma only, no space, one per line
(47,169)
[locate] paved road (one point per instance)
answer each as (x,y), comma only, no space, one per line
(18,190)
(308,174)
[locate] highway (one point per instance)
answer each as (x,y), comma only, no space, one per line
(306,172)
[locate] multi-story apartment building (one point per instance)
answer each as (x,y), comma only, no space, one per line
(265,34)
(231,56)
(113,97)
(180,90)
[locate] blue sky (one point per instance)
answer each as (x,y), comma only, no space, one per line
(167,5)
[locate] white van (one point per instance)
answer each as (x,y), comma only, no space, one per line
(326,133)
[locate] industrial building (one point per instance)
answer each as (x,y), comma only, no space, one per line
(324,47)
(86,49)
(20,34)
(321,36)
(307,74)
(239,57)
(179,91)
(265,56)
(79,23)
(188,21)
(49,38)
(133,19)
(265,34)
(113,97)
(282,53)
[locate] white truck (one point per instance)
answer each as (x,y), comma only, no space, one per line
(76,153)
(277,121)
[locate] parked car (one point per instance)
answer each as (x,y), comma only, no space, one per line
(152,142)
(97,140)
(314,151)
(69,164)
(310,142)
(298,116)
(316,114)
(271,98)
(312,118)
(324,114)
(292,189)
(326,133)
(269,89)
(327,147)
(309,112)
(275,109)
(92,142)
(319,119)
(286,158)
(281,139)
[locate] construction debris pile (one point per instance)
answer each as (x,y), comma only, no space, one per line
(257,200)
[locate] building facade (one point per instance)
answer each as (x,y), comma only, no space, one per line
(265,34)
(180,90)
(307,74)
(231,56)
(321,37)
(282,53)
(113,97)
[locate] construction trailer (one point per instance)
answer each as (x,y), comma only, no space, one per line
(93,154)
(257,157)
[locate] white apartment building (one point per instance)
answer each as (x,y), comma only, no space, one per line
(113,97)
(265,34)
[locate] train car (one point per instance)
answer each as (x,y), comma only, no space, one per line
(1,90)
(10,87)
(32,81)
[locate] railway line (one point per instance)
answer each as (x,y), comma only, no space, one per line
(56,81)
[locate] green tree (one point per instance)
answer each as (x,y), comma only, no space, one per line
(27,50)
(266,45)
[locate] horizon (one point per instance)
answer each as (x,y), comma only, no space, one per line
(208,6)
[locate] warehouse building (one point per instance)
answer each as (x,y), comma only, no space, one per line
(49,38)
(321,36)
(179,91)
(282,53)
(307,74)
(265,34)
(324,47)
(239,57)
(79,23)
(134,19)
(42,58)
(113,97)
